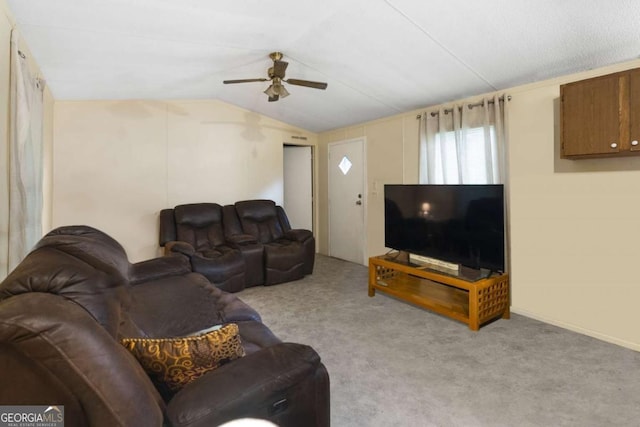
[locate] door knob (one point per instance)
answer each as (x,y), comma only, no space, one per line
(359,202)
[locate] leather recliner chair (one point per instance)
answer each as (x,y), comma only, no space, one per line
(289,254)
(197,230)
(64,307)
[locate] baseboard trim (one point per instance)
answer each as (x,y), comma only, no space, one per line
(603,337)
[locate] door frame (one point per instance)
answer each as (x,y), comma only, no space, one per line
(365,194)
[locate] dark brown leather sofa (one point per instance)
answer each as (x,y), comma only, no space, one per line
(255,232)
(64,308)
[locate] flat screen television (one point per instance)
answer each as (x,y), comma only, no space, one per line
(460,224)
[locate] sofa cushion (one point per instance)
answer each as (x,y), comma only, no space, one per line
(172,363)
(90,245)
(193,304)
(200,225)
(259,219)
(52,269)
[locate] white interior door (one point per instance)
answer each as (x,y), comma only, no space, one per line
(346,200)
(298,186)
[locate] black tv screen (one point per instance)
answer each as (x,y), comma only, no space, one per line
(461,224)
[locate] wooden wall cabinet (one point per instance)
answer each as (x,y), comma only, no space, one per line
(600,117)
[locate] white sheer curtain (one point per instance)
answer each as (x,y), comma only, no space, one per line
(464,144)
(25,157)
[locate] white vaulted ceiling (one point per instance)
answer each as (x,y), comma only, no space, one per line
(379,57)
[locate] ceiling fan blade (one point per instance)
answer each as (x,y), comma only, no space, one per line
(274,98)
(245,81)
(279,68)
(307,83)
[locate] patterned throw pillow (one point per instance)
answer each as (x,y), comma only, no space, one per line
(172,363)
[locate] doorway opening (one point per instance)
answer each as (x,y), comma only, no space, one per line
(298,194)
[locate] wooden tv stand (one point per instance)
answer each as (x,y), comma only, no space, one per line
(468,301)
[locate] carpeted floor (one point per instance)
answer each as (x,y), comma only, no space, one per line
(393,364)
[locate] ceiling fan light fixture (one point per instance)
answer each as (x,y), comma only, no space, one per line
(277,89)
(271,91)
(283,92)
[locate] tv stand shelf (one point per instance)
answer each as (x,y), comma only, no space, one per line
(470,302)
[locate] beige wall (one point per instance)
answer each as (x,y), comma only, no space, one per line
(118,163)
(6,24)
(574,228)
(573,224)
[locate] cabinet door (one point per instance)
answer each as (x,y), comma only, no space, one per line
(590,116)
(634,110)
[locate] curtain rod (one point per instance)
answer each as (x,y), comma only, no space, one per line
(477,104)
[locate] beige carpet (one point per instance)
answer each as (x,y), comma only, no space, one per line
(393,364)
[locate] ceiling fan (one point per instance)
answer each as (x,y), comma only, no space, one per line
(276,76)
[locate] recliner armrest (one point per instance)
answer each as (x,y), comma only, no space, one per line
(257,385)
(298,235)
(167,227)
(176,246)
(158,268)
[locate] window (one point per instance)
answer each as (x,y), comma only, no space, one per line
(464,144)
(474,158)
